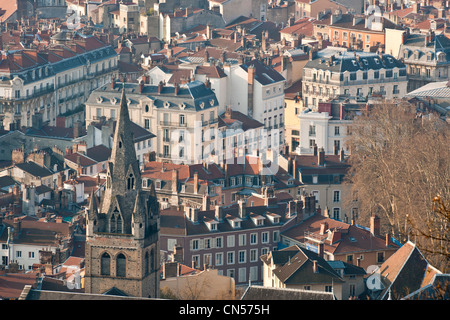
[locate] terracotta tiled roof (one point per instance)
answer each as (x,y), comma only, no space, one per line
(12,284)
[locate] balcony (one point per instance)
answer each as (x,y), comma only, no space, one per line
(172,124)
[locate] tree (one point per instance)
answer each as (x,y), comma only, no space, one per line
(399,163)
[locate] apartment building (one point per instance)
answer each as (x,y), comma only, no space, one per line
(322,176)
(326,128)
(334,72)
(55,81)
(427,58)
(20,245)
(183,118)
(230,239)
(209,184)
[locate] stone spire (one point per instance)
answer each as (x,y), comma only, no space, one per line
(124,178)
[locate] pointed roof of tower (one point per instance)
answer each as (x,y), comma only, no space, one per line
(93,204)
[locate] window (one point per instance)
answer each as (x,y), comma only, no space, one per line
(182,120)
(195,245)
(380,257)
(219,259)
(350,258)
(31,254)
(336,213)
(121,264)
(264,237)
(312,130)
(219,242)
(242,257)
(130,182)
(105,262)
(328,288)
(253,238)
(230,241)
(253,255)
(230,257)
(276,236)
(242,239)
(196,261)
(336,130)
(242,274)
(336,196)
(147,124)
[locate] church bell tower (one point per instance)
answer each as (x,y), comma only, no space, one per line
(122,235)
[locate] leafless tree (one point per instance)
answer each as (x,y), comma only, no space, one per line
(400,162)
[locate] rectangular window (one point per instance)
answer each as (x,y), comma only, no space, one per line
(242,274)
(242,258)
(242,239)
(336,196)
(230,241)
(219,242)
(264,237)
(253,255)
(254,238)
(336,213)
(219,259)
(230,257)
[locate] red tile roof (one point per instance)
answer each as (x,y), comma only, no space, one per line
(12,284)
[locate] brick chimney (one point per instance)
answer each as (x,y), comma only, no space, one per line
(219,213)
(195,181)
(242,209)
(321,250)
(315,266)
(323,228)
(175,181)
(160,86)
(375,225)
(321,157)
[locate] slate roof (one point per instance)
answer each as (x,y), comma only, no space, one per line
(353,239)
(405,271)
(266,293)
(296,267)
(348,61)
(263,74)
(175,222)
(434,89)
(34,169)
(195,96)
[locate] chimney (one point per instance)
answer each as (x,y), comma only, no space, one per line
(195,181)
(242,209)
(375,225)
(388,239)
(321,157)
(175,181)
(205,202)
(17,226)
(219,213)
(342,111)
(77,129)
(141,86)
(160,86)
(315,150)
(113,83)
(176,88)
(321,250)
(315,268)
(342,155)
(335,236)
(292,208)
(323,228)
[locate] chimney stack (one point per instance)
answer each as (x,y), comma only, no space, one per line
(315,267)
(219,213)
(242,209)
(175,181)
(321,157)
(321,250)
(323,228)
(375,225)
(195,181)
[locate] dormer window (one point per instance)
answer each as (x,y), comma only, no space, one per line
(158,184)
